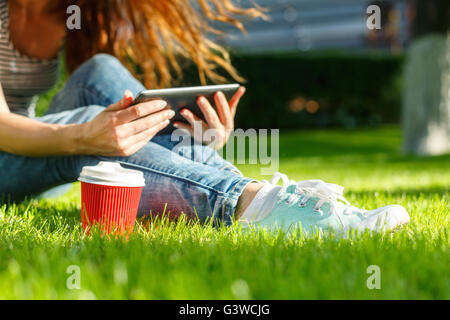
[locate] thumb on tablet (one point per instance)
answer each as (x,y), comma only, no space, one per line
(123,103)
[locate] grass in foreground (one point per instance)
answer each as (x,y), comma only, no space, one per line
(39,240)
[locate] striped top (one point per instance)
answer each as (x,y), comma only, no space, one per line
(22,77)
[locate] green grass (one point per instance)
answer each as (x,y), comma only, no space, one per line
(40,239)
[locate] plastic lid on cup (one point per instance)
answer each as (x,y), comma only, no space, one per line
(112,174)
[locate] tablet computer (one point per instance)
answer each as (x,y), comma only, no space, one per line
(186,97)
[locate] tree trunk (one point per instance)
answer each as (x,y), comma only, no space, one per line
(426,109)
(426,101)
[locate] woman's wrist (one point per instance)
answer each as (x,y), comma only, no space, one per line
(73,141)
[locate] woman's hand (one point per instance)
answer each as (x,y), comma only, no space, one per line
(219,125)
(121,129)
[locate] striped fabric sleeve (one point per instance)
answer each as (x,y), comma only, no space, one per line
(22,77)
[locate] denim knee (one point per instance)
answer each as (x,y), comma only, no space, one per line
(107,75)
(101,80)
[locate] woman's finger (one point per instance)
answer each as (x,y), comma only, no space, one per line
(197,127)
(190,116)
(125,102)
(142,124)
(235,100)
(140,110)
(184,126)
(193,119)
(223,110)
(208,111)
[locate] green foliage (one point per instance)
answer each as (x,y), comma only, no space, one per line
(181,260)
(432,16)
(350,90)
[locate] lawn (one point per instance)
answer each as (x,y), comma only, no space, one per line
(162,260)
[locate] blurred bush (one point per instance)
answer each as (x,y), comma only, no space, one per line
(320,90)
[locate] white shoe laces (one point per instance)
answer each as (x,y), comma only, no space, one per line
(326,192)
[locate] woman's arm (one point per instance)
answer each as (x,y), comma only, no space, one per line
(22,136)
(120,130)
(27,137)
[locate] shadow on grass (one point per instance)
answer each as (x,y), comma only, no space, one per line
(358,143)
(428,192)
(322,144)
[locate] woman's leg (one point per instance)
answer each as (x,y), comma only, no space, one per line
(101,81)
(173,182)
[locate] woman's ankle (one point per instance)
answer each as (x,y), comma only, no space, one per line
(246,198)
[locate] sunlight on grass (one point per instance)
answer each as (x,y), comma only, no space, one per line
(186,260)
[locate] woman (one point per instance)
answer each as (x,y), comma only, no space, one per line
(91,119)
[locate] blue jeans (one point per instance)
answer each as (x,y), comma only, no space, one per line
(193,180)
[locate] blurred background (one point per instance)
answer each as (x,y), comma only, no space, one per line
(305,25)
(316,64)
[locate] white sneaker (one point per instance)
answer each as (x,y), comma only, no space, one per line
(317,205)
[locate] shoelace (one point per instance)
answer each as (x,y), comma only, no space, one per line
(326,192)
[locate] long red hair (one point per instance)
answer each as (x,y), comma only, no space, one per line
(150,37)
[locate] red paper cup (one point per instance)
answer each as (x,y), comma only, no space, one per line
(110,196)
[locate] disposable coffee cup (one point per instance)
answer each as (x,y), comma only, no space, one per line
(110,196)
